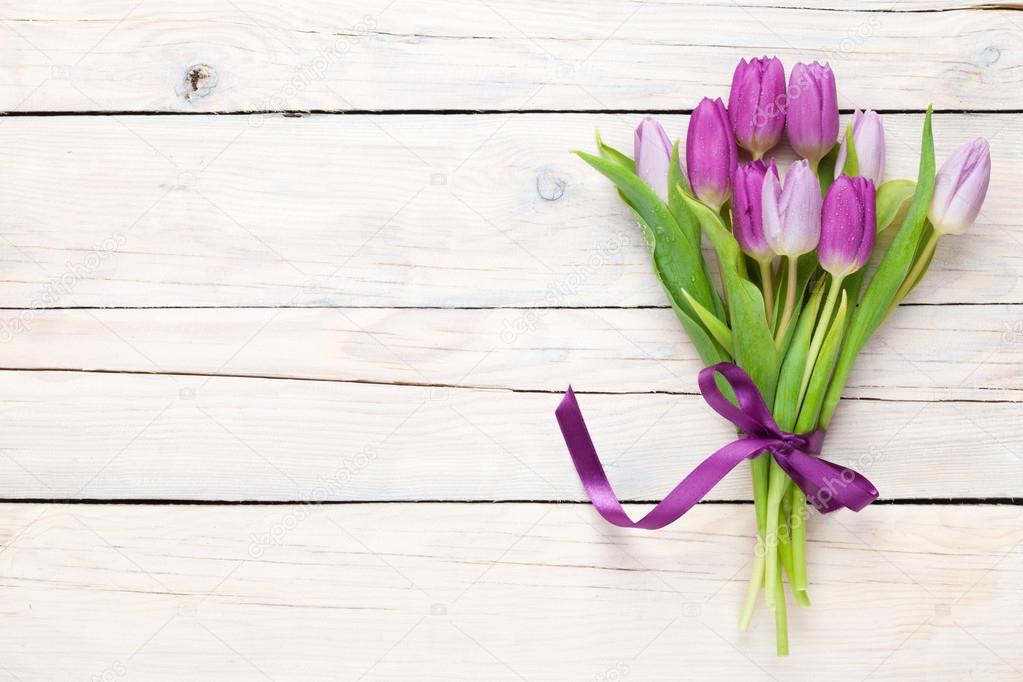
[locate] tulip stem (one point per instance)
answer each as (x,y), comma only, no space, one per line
(797,526)
(781,626)
(914,275)
(790,303)
(818,335)
(756,581)
(778,483)
(767,283)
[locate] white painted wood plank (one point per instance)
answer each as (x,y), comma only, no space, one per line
(457,54)
(922,352)
(89,435)
(508,592)
(383,211)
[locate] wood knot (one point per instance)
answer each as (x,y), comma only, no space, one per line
(990,55)
(200,79)
(549,186)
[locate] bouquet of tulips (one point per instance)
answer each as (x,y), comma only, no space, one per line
(807,266)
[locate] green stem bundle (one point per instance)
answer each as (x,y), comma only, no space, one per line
(818,336)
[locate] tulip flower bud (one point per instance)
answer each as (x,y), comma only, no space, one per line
(868,138)
(747,208)
(756,104)
(960,187)
(812,117)
(711,154)
(848,225)
(653,155)
(792,216)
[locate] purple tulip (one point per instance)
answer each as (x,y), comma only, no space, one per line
(653,155)
(812,116)
(960,187)
(756,104)
(747,208)
(710,153)
(792,216)
(848,225)
(868,138)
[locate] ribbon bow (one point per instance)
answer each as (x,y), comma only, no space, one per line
(828,486)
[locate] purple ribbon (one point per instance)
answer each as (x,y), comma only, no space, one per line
(828,486)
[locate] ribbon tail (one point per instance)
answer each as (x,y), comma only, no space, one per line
(827,485)
(676,503)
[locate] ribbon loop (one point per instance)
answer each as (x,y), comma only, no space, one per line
(827,485)
(752,415)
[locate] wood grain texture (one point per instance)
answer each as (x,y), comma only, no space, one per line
(922,353)
(89,435)
(384,308)
(504,592)
(476,211)
(458,54)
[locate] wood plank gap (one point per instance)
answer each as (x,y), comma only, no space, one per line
(980,7)
(892,502)
(302,113)
(460,387)
(921,304)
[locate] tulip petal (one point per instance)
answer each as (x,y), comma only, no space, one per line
(756,104)
(653,155)
(849,225)
(960,188)
(711,154)
(812,117)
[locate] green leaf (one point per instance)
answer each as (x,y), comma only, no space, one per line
(754,345)
(786,401)
(929,258)
(718,329)
(888,277)
(677,257)
(892,197)
(676,177)
(852,161)
(710,352)
(612,154)
(677,264)
(854,282)
(720,238)
(826,360)
(826,169)
(677,186)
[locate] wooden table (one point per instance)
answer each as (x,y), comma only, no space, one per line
(257,258)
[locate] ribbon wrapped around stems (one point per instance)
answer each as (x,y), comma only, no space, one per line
(828,486)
